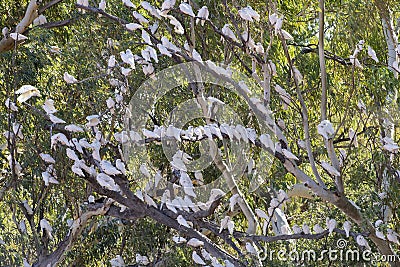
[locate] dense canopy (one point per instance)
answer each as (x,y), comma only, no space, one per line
(220,133)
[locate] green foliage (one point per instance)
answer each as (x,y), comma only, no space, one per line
(84,54)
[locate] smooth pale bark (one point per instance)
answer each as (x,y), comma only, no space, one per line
(324,95)
(54,258)
(391,42)
(389,32)
(7,43)
(32,12)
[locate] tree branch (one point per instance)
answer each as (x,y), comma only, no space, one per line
(48,5)
(304,115)
(389,32)
(7,43)
(321,54)
(54,258)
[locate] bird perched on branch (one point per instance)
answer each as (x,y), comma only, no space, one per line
(5,32)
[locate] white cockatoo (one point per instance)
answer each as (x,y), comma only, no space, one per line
(372,54)
(26,92)
(202,15)
(48,106)
(194,242)
(347,227)
(47,158)
(325,129)
(229,33)
(185,8)
(68,78)
(74,128)
(167,5)
(142,260)
(182,221)
(362,242)
(318,229)
(197,259)
(249,14)
(17,36)
(331,224)
(133,26)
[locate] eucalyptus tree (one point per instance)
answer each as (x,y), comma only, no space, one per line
(224,134)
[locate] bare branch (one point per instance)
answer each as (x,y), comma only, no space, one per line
(48,5)
(322,59)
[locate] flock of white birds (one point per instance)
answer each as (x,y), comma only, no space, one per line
(105,170)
